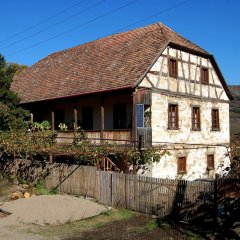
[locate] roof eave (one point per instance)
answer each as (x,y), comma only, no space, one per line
(77,95)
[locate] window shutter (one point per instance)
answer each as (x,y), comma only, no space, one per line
(176,116)
(182,165)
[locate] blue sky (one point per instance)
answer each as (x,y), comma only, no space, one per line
(30,30)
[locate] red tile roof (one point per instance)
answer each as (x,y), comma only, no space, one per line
(110,63)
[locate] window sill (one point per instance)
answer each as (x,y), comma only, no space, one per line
(215,129)
(182,172)
(173,76)
(210,168)
(173,128)
(196,129)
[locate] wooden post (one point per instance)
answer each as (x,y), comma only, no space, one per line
(134,130)
(75,120)
(168,59)
(102,119)
(31,117)
(53,120)
(53,128)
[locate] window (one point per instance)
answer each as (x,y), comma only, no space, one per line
(182,165)
(173,67)
(210,162)
(215,119)
(119,116)
(173,116)
(196,118)
(140,115)
(204,75)
(87,118)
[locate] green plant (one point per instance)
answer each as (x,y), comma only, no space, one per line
(108,212)
(147,118)
(43,126)
(40,188)
(63,126)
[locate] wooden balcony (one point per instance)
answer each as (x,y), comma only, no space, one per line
(120,137)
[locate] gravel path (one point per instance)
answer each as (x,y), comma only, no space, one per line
(45,209)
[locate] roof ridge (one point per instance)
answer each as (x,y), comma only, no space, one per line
(179,35)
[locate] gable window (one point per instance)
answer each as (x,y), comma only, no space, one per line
(210,162)
(87,118)
(173,116)
(182,165)
(119,116)
(204,75)
(196,118)
(173,67)
(215,119)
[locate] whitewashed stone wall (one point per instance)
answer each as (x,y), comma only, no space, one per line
(187,91)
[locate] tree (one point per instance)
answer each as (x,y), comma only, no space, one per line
(12,116)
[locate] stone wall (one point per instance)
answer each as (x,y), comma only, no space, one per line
(186,90)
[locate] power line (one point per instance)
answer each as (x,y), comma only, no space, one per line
(101,16)
(53,25)
(41,22)
(151,16)
(73,29)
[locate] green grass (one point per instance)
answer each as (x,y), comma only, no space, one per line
(152,225)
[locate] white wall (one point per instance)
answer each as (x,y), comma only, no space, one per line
(186,90)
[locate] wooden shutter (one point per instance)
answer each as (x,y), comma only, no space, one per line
(210,161)
(204,75)
(182,165)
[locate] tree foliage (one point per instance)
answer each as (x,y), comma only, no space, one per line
(235,157)
(12,116)
(42,142)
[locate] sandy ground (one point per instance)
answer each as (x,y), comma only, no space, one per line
(45,209)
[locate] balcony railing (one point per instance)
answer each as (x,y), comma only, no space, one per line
(94,136)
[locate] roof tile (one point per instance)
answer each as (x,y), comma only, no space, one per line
(113,62)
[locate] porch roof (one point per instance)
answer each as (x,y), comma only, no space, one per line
(114,62)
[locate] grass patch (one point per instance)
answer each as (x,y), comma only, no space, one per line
(152,225)
(72,229)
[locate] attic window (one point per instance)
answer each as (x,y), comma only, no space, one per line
(204,76)
(173,67)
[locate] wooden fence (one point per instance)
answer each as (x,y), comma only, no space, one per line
(74,179)
(186,200)
(161,197)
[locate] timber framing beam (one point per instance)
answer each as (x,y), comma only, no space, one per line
(183,95)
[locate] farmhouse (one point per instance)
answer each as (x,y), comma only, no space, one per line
(149,83)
